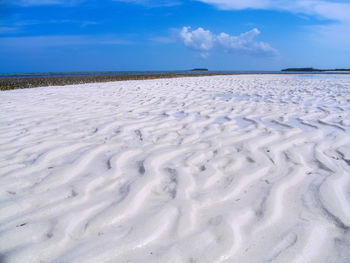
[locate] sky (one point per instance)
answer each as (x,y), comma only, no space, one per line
(123,35)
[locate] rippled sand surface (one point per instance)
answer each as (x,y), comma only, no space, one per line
(208,169)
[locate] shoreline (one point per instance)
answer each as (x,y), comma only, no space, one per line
(35,82)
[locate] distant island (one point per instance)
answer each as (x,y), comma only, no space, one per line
(199,69)
(314,69)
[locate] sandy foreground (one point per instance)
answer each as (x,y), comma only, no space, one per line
(203,169)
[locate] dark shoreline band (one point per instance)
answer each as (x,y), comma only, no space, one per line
(33,82)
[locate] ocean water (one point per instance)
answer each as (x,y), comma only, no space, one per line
(164,72)
(119,73)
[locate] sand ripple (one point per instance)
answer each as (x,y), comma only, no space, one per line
(209,169)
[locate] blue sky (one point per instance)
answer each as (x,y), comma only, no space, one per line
(92,35)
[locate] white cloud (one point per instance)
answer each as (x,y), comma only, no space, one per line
(204,41)
(198,39)
(335,10)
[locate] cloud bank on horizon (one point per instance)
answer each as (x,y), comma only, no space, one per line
(204,41)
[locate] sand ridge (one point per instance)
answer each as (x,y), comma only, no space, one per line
(204,169)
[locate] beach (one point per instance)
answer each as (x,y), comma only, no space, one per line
(241,168)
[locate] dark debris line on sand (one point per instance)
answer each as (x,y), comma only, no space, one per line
(32,82)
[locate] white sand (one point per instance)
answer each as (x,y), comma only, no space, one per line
(210,169)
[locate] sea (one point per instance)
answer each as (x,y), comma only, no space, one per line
(160,72)
(121,73)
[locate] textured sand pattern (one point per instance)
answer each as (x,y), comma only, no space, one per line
(210,169)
